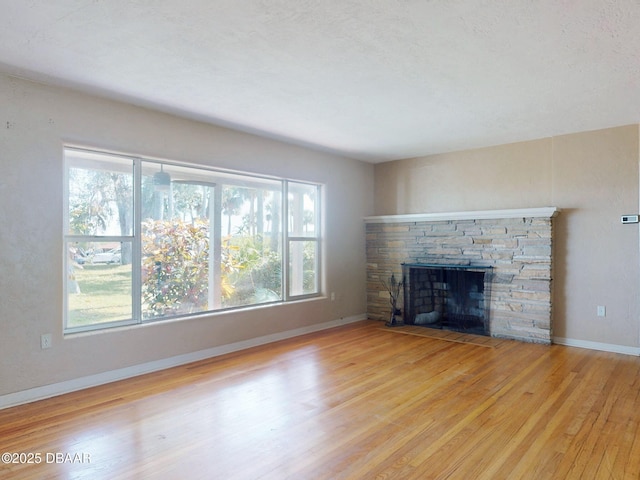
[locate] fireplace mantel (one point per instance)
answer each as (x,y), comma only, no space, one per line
(541,212)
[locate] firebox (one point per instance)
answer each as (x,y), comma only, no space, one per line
(452,297)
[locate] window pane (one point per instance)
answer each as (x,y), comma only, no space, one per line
(303,274)
(251,244)
(100,200)
(209,240)
(302,210)
(98,283)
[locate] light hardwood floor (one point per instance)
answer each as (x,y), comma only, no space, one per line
(355,402)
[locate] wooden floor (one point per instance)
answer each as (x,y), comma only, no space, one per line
(355,402)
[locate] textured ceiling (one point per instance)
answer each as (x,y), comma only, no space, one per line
(370,79)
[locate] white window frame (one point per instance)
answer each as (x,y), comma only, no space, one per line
(136,237)
(304,238)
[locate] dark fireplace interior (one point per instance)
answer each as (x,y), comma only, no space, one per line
(451,297)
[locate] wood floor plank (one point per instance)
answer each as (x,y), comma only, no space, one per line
(354,402)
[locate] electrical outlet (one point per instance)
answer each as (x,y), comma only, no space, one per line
(602,311)
(45,341)
(333,296)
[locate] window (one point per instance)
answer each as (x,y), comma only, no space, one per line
(302,239)
(148,240)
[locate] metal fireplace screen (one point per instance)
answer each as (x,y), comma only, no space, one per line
(452,297)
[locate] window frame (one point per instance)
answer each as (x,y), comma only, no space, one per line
(303,238)
(135,238)
(69,238)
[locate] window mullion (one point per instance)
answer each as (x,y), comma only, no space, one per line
(215,249)
(285,239)
(136,260)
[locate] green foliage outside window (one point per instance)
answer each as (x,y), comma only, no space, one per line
(175,269)
(256,273)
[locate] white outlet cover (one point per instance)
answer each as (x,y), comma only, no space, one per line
(45,341)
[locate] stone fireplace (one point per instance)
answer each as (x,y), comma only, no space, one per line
(515,246)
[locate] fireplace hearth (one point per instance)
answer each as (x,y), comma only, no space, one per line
(451,297)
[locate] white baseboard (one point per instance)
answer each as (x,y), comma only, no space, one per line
(604,347)
(47,391)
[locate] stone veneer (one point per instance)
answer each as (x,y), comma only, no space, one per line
(516,243)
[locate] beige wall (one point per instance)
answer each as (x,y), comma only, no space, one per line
(592,176)
(35,121)
(508,176)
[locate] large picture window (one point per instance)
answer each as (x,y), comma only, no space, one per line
(148,240)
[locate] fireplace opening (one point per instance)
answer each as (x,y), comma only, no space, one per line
(451,297)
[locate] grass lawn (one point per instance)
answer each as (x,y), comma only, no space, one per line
(105,295)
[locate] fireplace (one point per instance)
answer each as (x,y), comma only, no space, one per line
(451,297)
(516,244)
